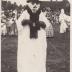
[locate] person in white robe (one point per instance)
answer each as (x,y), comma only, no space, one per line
(31,53)
(3,24)
(3,29)
(62,19)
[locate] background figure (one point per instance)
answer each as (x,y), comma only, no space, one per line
(49,27)
(13,26)
(3,24)
(63,24)
(9,23)
(3,29)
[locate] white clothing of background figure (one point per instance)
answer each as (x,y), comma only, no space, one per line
(3,29)
(3,24)
(62,18)
(31,53)
(49,27)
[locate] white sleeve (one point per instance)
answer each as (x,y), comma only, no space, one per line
(23,16)
(60,18)
(67,18)
(43,18)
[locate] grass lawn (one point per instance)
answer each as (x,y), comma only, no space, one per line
(57,53)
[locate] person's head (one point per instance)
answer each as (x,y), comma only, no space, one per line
(62,11)
(34,5)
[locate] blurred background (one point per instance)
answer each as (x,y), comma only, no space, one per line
(11,10)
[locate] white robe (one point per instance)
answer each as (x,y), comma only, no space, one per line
(63,26)
(31,53)
(3,29)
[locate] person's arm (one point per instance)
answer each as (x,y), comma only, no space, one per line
(23,16)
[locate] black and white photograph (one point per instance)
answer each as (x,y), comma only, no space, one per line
(35,35)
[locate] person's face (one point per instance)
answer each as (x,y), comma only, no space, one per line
(62,11)
(34,6)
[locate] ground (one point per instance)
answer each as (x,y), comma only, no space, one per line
(58,56)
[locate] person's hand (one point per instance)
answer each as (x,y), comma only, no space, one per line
(42,24)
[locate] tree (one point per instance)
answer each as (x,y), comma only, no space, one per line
(3,5)
(14,6)
(9,5)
